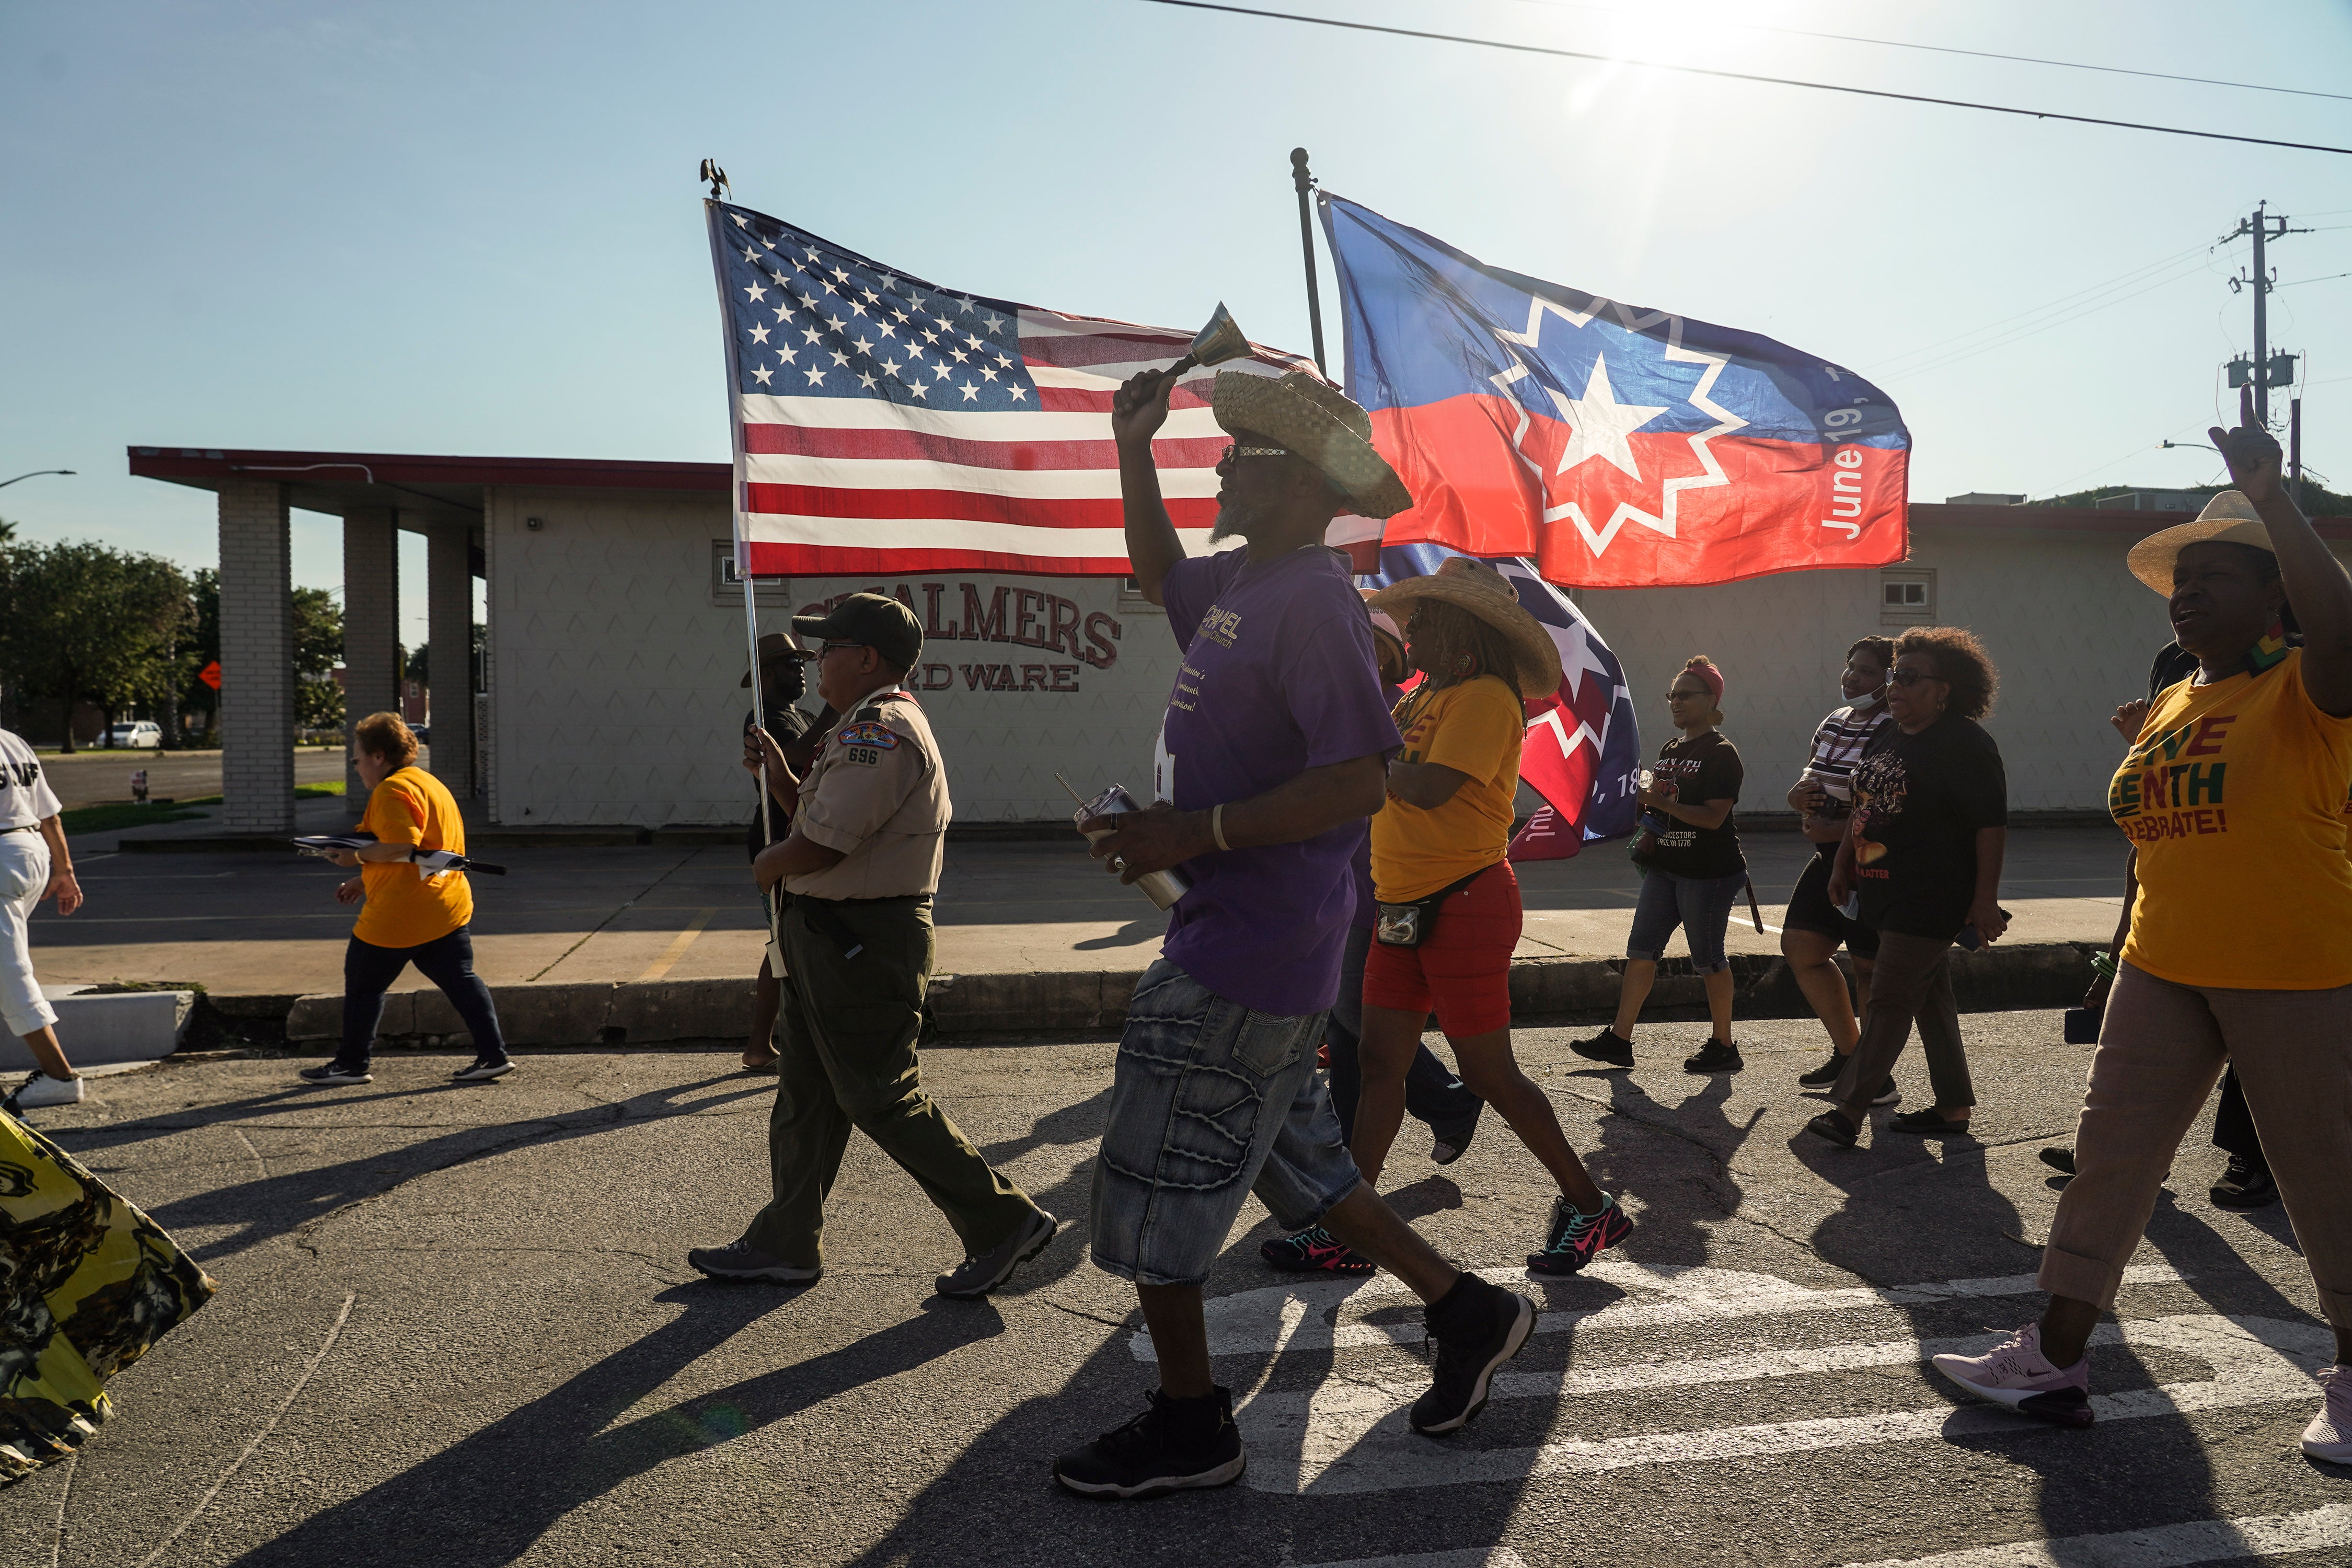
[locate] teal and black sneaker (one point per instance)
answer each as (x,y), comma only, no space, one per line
(1577,1238)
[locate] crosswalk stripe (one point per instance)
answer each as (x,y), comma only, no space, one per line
(1347,1437)
(1479,1557)
(2167,1546)
(1299,1317)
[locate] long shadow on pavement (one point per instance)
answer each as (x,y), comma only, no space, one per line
(486,1499)
(275,1205)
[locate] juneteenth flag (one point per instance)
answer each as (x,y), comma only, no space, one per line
(1584,746)
(886,425)
(1615,446)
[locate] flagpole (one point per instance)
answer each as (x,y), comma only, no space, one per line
(1304,181)
(710,216)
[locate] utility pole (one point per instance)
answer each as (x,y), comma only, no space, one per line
(2263,374)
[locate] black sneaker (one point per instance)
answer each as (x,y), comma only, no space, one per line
(2058,1157)
(1177,1444)
(2246,1184)
(742,1260)
(336,1072)
(1833,1126)
(483,1070)
(1479,1328)
(1888,1094)
(976,1277)
(1824,1075)
(1447,1144)
(1608,1045)
(1716,1056)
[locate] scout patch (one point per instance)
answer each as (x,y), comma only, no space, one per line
(876,735)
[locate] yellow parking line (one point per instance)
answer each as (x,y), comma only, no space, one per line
(676,949)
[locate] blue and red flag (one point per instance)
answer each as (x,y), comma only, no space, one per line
(1583,747)
(1615,446)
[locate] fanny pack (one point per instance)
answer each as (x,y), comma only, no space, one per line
(1409,925)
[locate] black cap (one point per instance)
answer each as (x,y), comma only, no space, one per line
(870,620)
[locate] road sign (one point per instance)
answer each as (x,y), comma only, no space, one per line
(210,675)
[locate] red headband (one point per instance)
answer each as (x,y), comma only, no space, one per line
(1708,677)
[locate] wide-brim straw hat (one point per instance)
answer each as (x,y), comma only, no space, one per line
(1487,594)
(2229,518)
(1318,422)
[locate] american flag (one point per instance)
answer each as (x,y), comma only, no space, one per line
(885,423)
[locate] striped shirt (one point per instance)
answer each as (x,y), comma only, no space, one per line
(1837,747)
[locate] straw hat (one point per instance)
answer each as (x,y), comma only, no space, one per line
(1487,594)
(1318,421)
(2228,518)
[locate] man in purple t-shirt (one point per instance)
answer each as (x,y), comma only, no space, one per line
(1273,752)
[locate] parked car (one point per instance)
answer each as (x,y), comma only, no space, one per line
(423,733)
(145,732)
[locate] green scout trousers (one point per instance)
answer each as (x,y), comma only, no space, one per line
(848,1061)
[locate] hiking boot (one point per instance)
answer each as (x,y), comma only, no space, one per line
(2246,1184)
(1576,1238)
(1608,1045)
(1824,1075)
(1476,1328)
(40,1089)
(1176,1445)
(976,1277)
(742,1260)
(2016,1374)
(1314,1251)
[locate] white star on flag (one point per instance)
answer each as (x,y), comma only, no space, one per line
(1599,424)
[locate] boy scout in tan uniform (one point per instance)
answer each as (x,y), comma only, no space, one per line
(861,863)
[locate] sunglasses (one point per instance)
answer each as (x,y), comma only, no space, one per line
(1238,450)
(1912,678)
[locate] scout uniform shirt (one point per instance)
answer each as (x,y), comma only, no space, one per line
(877,793)
(26,798)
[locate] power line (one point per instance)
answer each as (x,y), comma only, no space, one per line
(2023,332)
(1746,76)
(1976,54)
(2125,279)
(2300,281)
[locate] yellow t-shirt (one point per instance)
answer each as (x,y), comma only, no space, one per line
(2234,796)
(404,909)
(1474,729)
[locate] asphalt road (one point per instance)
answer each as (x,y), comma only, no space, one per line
(456,1327)
(100,777)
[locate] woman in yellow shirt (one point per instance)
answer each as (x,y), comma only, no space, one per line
(406,916)
(2233,795)
(1449,905)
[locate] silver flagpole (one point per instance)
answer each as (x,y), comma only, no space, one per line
(712,217)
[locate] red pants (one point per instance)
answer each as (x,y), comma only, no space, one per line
(1462,971)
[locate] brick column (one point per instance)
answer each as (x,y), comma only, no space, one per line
(371,626)
(449,620)
(257,633)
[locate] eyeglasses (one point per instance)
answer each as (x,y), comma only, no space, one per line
(1909,677)
(814,654)
(1230,453)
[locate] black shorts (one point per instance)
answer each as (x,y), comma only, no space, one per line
(1809,908)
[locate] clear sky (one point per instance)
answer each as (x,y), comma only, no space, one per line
(473,228)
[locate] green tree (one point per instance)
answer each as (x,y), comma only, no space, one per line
(318,648)
(83,621)
(146,603)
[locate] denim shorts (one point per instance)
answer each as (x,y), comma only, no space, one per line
(1209,1102)
(1700,905)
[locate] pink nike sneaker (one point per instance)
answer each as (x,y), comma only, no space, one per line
(2016,1374)
(2329,1436)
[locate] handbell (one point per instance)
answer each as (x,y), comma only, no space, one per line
(1215,343)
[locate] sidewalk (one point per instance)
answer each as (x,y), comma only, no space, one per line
(1034,934)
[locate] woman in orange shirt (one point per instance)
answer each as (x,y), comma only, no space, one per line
(405,916)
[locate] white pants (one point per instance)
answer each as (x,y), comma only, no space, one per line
(23,877)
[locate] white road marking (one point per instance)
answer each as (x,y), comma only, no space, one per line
(1346,1436)
(2169,1546)
(1306,1317)
(1488,1557)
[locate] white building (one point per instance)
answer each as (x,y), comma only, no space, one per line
(616,640)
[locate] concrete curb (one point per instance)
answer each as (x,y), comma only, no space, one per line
(1543,991)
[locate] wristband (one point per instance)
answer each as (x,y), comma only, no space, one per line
(1217,826)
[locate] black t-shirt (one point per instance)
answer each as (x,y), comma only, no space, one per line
(1918,801)
(1694,773)
(787,725)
